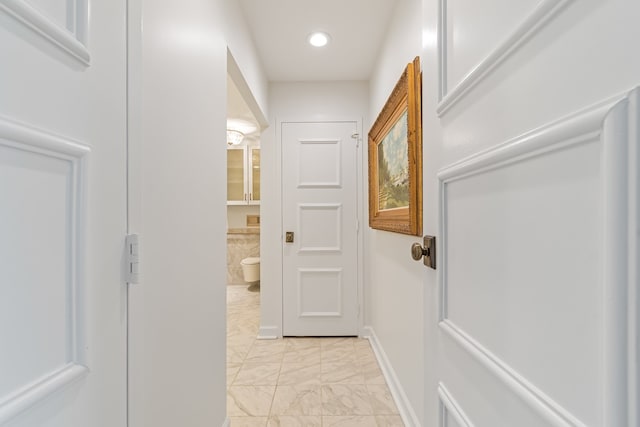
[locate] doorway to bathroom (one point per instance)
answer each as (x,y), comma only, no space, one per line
(244,124)
(243,190)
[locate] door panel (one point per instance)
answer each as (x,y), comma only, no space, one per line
(533,283)
(470,40)
(320,292)
(534,320)
(320,227)
(42,217)
(532,223)
(319,205)
(63,214)
(530,217)
(320,174)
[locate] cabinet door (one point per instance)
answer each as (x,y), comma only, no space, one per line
(236,188)
(254,176)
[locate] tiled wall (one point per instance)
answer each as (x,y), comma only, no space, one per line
(241,243)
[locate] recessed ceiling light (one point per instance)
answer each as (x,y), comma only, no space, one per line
(318,39)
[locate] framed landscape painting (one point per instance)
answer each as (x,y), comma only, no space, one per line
(395,158)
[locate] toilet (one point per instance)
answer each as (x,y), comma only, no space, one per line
(251,269)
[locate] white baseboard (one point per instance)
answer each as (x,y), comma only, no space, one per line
(226,423)
(407,413)
(269,333)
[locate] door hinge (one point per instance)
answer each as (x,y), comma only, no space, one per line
(133,258)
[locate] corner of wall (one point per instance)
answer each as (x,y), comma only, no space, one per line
(270,236)
(242,50)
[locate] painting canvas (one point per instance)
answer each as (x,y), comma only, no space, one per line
(395,159)
(393,167)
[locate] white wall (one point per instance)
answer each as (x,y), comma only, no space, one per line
(178,73)
(245,66)
(293,101)
(237,215)
(393,281)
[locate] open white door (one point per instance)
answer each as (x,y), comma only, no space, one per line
(63,300)
(320,289)
(531,160)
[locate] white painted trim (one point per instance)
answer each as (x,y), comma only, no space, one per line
(554,413)
(40,389)
(269,333)
(70,42)
(614,122)
(407,412)
(362,174)
(449,405)
(226,423)
(275,289)
(633,333)
(24,137)
(40,141)
(575,128)
(136,320)
(545,11)
(619,139)
(442,49)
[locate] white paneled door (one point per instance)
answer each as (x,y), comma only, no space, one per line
(320,292)
(534,316)
(63,302)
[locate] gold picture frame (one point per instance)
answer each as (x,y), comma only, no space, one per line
(395,158)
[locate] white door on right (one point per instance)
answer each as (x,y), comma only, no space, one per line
(320,293)
(531,169)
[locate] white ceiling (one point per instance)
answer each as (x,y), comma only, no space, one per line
(280,29)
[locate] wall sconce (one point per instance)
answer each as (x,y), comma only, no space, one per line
(234,137)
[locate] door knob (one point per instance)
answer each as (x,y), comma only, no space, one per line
(417,251)
(427,251)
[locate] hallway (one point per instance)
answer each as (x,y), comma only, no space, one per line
(300,381)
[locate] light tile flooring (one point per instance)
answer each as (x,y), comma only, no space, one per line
(300,381)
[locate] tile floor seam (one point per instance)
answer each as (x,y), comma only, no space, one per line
(342,365)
